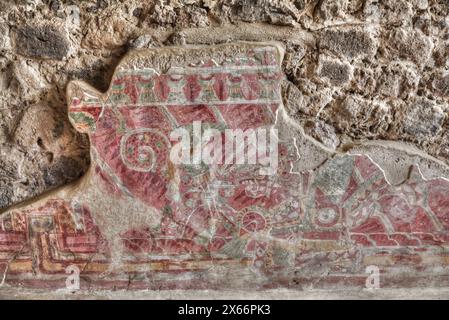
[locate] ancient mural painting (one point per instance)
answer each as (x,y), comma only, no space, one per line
(137,220)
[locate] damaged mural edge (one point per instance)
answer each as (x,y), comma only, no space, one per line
(136,221)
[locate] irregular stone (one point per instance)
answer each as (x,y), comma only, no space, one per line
(61,171)
(425,24)
(99,5)
(399,80)
(420,4)
(143,41)
(410,45)
(5,79)
(355,115)
(197,16)
(177,39)
(56,136)
(339,10)
(390,12)
(423,118)
(276,12)
(107,31)
(55,5)
(334,72)
(73,16)
(440,7)
(350,43)
(26,78)
(443,150)
(54,154)
(175,13)
(16,176)
(305,98)
(5,42)
(43,42)
(441,54)
(6,195)
(294,54)
(8,173)
(163,14)
(364,81)
(440,86)
(294,101)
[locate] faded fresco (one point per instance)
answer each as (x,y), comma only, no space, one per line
(140,220)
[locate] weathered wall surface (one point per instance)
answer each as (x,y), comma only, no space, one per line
(363,77)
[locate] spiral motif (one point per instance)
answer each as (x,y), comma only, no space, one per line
(144,149)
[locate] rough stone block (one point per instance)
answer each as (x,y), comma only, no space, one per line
(351,43)
(44,42)
(335,72)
